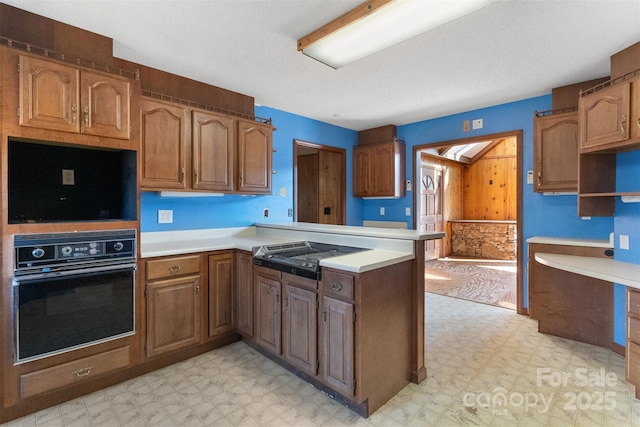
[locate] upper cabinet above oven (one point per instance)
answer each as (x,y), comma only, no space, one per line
(62,97)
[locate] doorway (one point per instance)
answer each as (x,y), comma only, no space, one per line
(448,181)
(319,183)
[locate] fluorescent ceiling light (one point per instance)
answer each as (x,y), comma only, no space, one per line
(378,24)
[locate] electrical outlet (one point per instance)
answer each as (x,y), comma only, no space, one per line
(477,124)
(265,213)
(289,212)
(165,216)
(381,210)
(407,211)
(68,177)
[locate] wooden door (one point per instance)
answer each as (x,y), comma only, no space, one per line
(331,181)
(254,157)
(308,182)
(269,318)
(222,294)
(105,107)
(244,280)
(49,95)
(163,133)
(555,151)
(361,171)
(431,207)
(173,316)
(605,116)
(338,369)
(299,328)
(213,143)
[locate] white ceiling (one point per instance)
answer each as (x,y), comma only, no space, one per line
(507,51)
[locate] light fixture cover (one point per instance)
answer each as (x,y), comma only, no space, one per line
(378,24)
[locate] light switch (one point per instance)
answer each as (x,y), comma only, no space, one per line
(624,242)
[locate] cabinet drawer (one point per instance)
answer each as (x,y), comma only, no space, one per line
(633,363)
(173,267)
(337,284)
(79,370)
(633,303)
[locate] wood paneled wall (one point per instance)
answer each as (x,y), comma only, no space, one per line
(490,184)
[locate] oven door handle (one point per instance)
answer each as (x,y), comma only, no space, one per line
(17,280)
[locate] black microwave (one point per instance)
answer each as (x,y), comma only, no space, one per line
(49,182)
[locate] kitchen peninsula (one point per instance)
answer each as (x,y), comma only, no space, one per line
(382,287)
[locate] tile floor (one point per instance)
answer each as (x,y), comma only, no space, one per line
(487,366)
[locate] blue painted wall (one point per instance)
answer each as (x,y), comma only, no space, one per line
(626,222)
(237,211)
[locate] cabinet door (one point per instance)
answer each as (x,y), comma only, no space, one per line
(213,140)
(269,319)
(300,327)
(222,295)
(105,108)
(162,134)
(338,345)
(555,151)
(173,319)
(605,116)
(361,171)
(383,170)
(49,95)
(244,280)
(254,157)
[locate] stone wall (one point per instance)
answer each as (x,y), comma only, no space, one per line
(484,239)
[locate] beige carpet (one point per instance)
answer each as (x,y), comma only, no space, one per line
(490,282)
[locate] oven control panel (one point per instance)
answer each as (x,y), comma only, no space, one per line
(47,250)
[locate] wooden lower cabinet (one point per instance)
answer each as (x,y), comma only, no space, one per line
(570,305)
(300,323)
(173,304)
(632,356)
(244,283)
(330,332)
(269,319)
(222,293)
(338,345)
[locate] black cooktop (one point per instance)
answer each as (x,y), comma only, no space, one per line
(299,258)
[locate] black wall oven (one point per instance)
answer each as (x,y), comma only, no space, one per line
(72,290)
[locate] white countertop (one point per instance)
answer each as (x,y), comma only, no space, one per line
(351,230)
(625,273)
(155,244)
(572,241)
